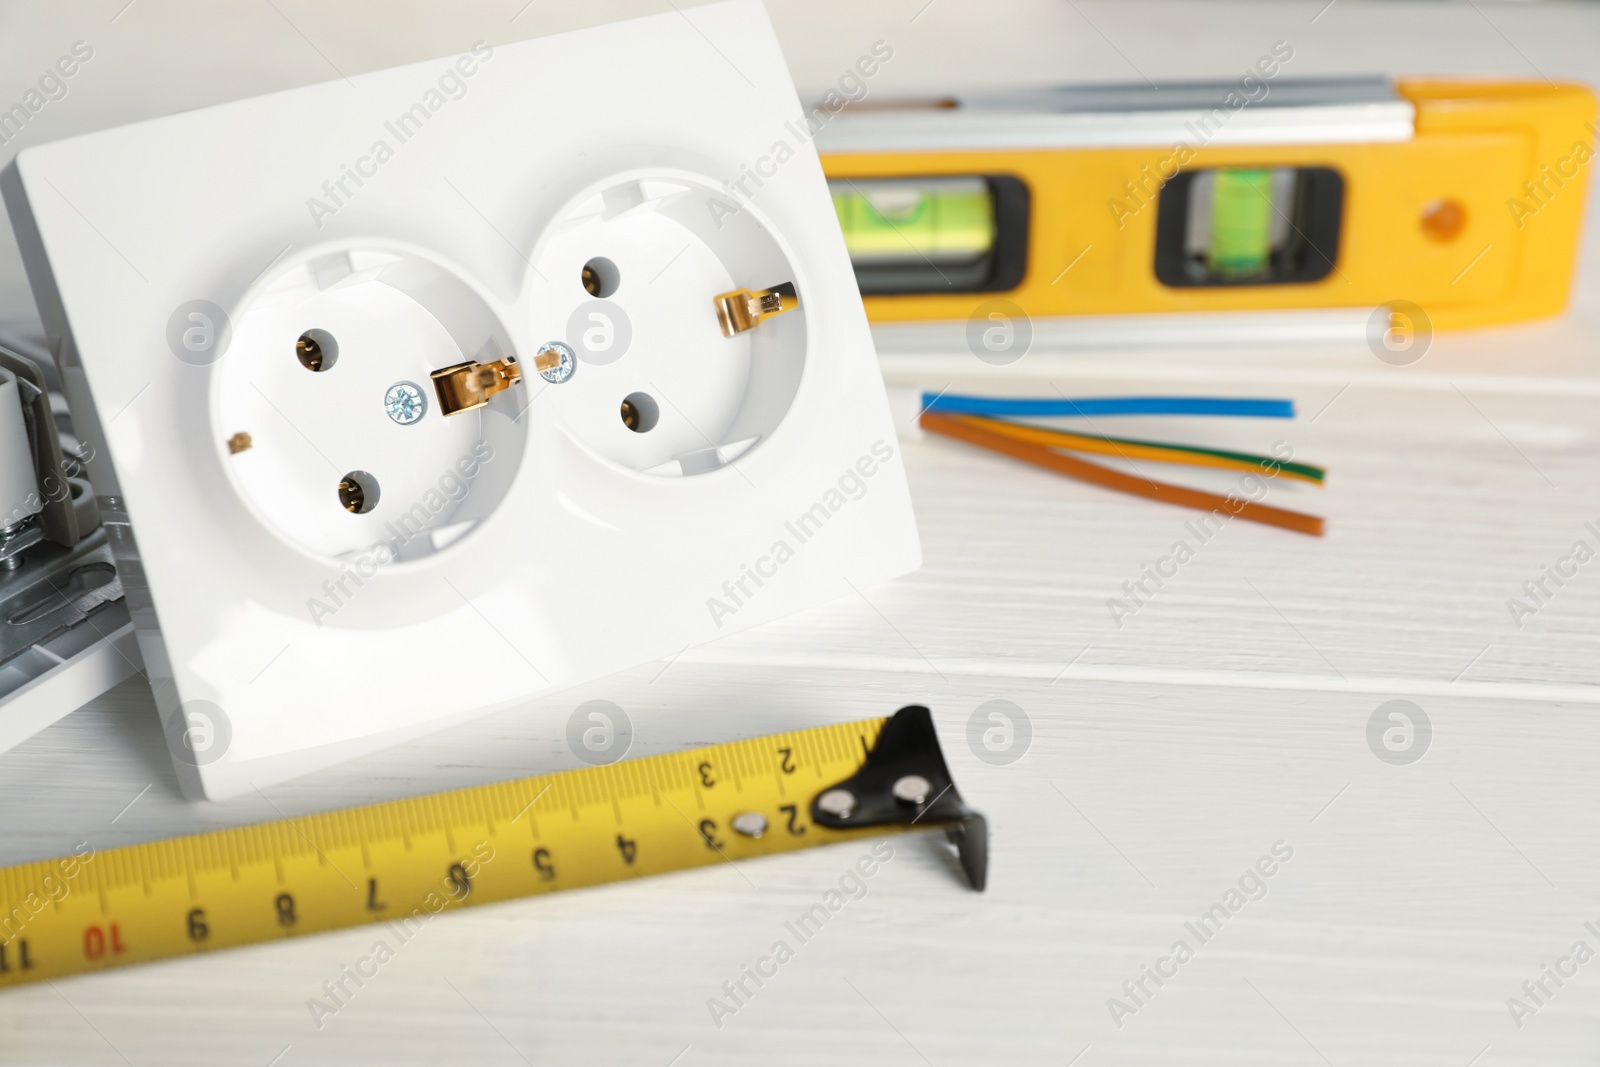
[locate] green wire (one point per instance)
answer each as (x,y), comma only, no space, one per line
(1305,470)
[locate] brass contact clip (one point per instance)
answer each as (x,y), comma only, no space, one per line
(743,310)
(470,385)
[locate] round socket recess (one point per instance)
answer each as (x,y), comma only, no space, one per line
(628,274)
(316,353)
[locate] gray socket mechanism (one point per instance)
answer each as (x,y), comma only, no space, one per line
(60,593)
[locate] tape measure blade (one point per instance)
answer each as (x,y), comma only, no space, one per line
(403,862)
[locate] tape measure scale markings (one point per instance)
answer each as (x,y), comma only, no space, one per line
(405,861)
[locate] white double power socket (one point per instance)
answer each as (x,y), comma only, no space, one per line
(430,390)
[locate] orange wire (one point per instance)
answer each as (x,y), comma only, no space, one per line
(1124,448)
(1095,474)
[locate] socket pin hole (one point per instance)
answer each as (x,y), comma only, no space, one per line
(601,277)
(640,412)
(317,350)
(358,492)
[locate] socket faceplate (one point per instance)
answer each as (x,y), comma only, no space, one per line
(452,210)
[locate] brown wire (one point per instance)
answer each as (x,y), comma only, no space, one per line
(1105,477)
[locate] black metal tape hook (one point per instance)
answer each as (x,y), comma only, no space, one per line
(905,782)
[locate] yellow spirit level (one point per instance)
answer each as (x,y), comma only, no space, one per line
(1464,198)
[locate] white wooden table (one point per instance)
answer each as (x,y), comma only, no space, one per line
(1229,715)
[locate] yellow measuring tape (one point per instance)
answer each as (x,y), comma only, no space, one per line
(405,861)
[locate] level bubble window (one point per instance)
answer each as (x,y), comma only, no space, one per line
(945,234)
(1248,226)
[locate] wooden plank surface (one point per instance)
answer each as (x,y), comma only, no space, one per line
(1167,755)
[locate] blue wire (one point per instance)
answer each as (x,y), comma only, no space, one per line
(1108,405)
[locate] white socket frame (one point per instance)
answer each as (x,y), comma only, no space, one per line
(587,564)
